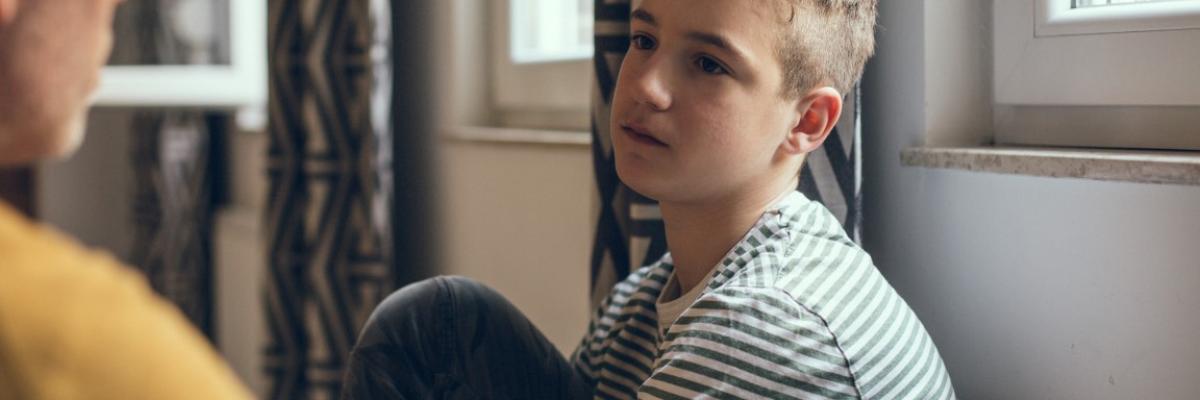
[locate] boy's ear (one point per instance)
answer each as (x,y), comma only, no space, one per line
(8,11)
(818,112)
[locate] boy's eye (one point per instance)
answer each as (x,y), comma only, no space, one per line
(642,42)
(709,66)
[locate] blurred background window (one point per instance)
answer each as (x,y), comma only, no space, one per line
(540,55)
(208,54)
(1055,69)
(551,30)
(172,32)
(1101,3)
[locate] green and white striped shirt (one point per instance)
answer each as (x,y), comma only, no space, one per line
(796,310)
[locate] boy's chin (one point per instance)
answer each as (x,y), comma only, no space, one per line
(656,188)
(634,180)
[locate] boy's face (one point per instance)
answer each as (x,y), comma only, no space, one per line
(697,113)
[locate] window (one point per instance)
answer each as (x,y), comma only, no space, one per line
(550,30)
(211,54)
(541,52)
(1098,3)
(1097,73)
(1075,17)
(219,57)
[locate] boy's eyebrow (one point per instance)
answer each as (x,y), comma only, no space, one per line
(704,37)
(717,41)
(641,14)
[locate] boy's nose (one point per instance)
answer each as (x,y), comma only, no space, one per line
(651,87)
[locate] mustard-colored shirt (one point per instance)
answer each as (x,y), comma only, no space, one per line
(74,323)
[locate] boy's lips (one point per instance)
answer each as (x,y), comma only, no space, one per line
(641,135)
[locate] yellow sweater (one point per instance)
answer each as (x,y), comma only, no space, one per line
(76,324)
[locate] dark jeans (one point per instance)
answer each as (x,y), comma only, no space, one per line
(454,338)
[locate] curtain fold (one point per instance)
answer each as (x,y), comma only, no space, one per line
(329,212)
(174,163)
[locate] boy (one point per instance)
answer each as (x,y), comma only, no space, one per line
(75,324)
(761,295)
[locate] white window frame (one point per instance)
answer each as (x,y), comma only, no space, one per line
(241,84)
(1111,66)
(518,8)
(1057,18)
(546,94)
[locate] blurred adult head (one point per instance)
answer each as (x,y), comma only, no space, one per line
(51,53)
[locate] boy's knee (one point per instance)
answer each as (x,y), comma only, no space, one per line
(419,304)
(414,296)
(465,289)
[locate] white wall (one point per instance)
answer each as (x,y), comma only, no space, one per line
(518,217)
(99,176)
(1033,288)
(240,261)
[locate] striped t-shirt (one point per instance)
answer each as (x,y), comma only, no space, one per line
(796,310)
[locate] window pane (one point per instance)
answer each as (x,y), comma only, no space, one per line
(550,30)
(172,32)
(1100,3)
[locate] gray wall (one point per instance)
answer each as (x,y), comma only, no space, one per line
(88,194)
(519,218)
(1033,288)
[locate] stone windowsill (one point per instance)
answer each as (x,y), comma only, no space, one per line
(1146,166)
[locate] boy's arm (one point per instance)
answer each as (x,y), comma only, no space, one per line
(750,343)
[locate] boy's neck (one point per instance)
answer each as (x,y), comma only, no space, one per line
(700,234)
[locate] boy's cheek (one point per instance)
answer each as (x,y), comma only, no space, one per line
(714,121)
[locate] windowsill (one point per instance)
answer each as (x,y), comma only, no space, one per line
(1144,166)
(487,134)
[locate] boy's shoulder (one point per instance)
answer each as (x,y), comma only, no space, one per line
(796,290)
(794,245)
(797,252)
(637,292)
(800,256)
(801,273)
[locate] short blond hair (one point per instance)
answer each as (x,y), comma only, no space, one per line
(825,42)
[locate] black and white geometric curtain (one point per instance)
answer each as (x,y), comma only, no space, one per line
(176,162)
(629,232)
(175,169)
(329,215)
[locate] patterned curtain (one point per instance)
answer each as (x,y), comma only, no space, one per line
(174,200)
(330,200)
(175,157)
(629,232)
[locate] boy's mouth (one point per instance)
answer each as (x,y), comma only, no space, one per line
(639,134)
